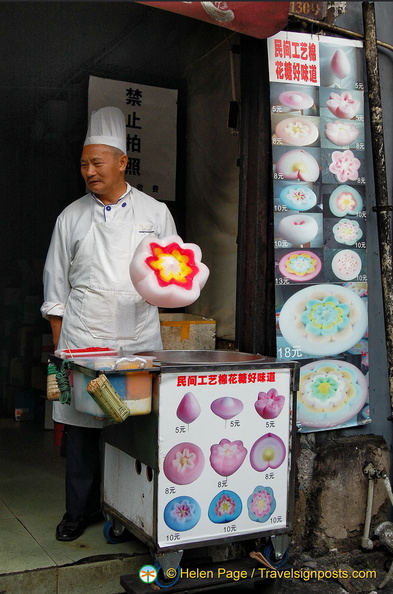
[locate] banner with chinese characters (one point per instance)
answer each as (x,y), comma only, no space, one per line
(151,124)
(317,122)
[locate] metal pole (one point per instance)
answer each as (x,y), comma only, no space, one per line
(382,207)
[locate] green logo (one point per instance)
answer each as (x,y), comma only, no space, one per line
(147,574)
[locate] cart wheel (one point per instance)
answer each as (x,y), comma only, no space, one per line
(110,535)
(268,553)
(164,582)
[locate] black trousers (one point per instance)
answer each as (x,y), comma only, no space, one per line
(83,470)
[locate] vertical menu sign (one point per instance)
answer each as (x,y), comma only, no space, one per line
(317,123)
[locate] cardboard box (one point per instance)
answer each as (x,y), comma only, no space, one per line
(187,332)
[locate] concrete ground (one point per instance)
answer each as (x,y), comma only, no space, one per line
(31,505)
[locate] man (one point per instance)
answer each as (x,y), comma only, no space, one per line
(89,299)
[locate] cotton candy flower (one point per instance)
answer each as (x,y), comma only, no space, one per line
(343,106)
(345,166)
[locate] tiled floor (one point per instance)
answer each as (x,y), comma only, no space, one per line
(31,505)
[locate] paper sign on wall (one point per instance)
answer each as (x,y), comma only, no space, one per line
(151,117)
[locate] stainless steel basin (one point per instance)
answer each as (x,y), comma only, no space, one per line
(189,356)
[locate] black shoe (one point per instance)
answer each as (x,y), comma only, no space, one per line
(70,527)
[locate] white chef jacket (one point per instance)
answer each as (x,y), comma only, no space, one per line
(92,245)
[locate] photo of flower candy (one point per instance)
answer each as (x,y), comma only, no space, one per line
(269,404)
(227,456)
(297,131)
(345,200)
(341,133)
(345,166)
(182,513)
(225,507)
(261,504)
(347,232)
(300,266)
(184,463)
(343,105)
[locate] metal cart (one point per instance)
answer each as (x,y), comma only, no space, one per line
(209,465)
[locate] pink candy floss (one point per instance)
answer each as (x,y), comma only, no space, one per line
(270,404)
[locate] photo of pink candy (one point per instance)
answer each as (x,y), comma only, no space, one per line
(227,456)
(343,106)
(340,65)
(267,452)
(341,133)
(270,404)
(189,408)
(184,463)
(297,131)
(298,164)
(226,407)
(296,100)
(345,166)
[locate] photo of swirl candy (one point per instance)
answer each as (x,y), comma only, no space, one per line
(298,197)
(182,513)
(296,100)
(340,64)
(225,507)
(330,393)
(323,320)
(298,229)
(300,266)
(261,504)
(347,232)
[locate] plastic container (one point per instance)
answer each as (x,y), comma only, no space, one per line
(135,387)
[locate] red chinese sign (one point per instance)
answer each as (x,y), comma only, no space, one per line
(257,19)
(226,379)
(294,59)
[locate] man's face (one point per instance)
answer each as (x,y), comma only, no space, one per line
(103,171)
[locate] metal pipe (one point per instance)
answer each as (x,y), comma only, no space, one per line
(335,29)
(382,207)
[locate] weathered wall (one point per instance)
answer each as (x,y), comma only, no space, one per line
(331,491)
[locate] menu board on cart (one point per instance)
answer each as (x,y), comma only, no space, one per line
(224,454)
(319,154)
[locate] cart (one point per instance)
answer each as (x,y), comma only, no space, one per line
(210,465)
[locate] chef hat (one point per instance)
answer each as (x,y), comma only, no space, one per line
(107,126)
